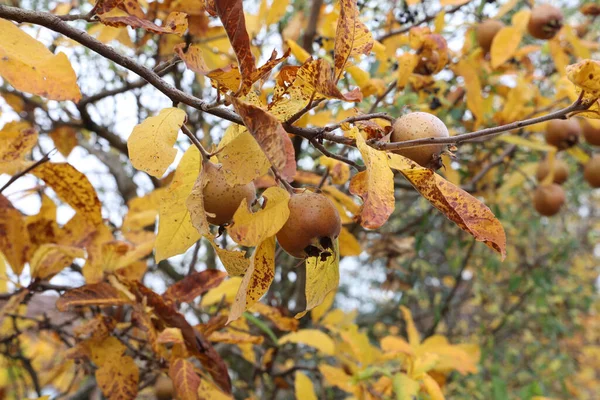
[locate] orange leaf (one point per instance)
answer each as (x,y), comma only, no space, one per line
(176,23)
(97,294)
(351,37)
(282,322)
(466,211)
(118,379)
(65,139)
(14,240)
(194,285)
(185,379)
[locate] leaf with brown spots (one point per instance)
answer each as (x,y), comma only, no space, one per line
(185,379)
(375,185)
(14,239)
(96,294)
(257,280)
(318,76)
(65,139)
(72,187)
(193,285)
(270,135)
(118,378)
(466,211)
(192,57)
(16,141)
(351,37)
(231,13)
(175,23)
(30,67)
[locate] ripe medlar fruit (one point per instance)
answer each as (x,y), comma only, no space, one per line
(548,199)
(433,55)
(485,33)
(314,223)
(545,21)
(591,172)
(591,134)
(221,199)
(420,125)
(561,171)
(563,133)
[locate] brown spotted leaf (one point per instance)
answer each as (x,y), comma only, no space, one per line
(231,13)
(72,187)
(16,141)
(351,37)
(118,379)
(318,75)
(96,294)
(14,239)
(270,135)
(194,285)
(257,280)
(185,379)
(466,211)
(175,23)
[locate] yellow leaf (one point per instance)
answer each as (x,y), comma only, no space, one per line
(322,277)
(297,51)
(405,387)
(439,22)
(227,289)
(375,185)
(581,51)
(65,139)
(14,241)
(450,173)
(475,103)
(195,202)
(451,358)
(16,141)
(49,259)
(352,37)
(207,391)
(320,310)
(30,67)
(414,337)
(177,22)
(185,379)
(241,156)
(360,345)
(310,337)
(336,377)
(175,230)
(249,229)
(395,345)
(579,154)
(504,45)
(234,261)
(407,63)
(432,387)
(234,337)
(585,75)
(257,279)
(151,142)
(274,315)
(118,379)
(459,206)
(277,11)
(520,19)
(506,7)
(338,171)
(349,245)
(303,387)
(72,187)
(560,57)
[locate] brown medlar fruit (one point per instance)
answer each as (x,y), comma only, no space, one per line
(420,125)
(221,199)
(548,199)
(433,55)
(314,223)
(591,172)
(486,31)
(561,171)
(163,388)
(545,21)
(591,134)
(563,133)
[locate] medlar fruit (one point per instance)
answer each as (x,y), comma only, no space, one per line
(545,21)
(591,172)
(420,125)
(221,199)
(591,134)
(314,223)
(563,133)
(561,171)
(485,33)
(548,199)
(163,388)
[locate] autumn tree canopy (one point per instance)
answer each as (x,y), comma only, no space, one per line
(218,199)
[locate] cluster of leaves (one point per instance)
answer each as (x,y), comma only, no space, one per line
(274,126)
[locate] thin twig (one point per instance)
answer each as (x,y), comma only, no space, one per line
(389,89)
(27,170)
(205,154)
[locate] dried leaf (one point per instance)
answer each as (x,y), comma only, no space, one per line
(175,230)
(375,185)
(16,141)
(170,335)
(317,76)
(274,315)
(49,259)
(257,280)
(270,135)
(176,23)
(235,337)
(65,139)
(151,142)
(352,37)
(30,67)
(249,229)
(193,285)
(185,379)
(14,240)
(310,337)
(459,206)
(96,294)
(118,379)
(72,187)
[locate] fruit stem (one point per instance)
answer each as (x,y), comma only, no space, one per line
(205,154)
(281,180)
